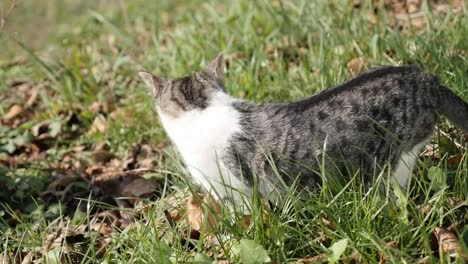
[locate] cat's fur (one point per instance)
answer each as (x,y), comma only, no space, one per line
(384,116)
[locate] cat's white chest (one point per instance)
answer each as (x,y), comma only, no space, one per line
(202,138)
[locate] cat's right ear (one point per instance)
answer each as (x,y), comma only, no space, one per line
(154,83)
(216,66)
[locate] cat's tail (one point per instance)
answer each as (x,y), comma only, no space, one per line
(453,107)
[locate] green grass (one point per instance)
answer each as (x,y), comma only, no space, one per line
(79,54)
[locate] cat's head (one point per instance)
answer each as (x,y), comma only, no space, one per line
(173,97)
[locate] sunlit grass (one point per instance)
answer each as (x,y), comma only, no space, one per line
(276,51)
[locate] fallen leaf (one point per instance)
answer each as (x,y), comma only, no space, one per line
(16,83)
(102,245)
(382,257)
(328,223)
(62,239)
(138,188)
(96,107)
(413,6)
(146,163)
(337,249)
(40,128)
(102,228)
(33,98)
(314,259)
(101,156)
(107,216)
(198,208)
(431,151)
(425,260)
(54,128)
(194,212)
(302,51)
(99,124)
(356,65)
(33,151)
(356,256)
(4,259)
(29,257)
(448,242)
(202,259)
(61,182)
(15,110)
(252,253)
(175,209)
(47,129)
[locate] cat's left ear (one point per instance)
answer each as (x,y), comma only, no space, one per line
(216,66)
(154,83)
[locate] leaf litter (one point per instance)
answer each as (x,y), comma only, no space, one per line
(74,173)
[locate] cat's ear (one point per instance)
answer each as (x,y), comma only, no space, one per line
(154,83)
(216,66)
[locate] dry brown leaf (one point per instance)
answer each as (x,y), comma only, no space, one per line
(96,107)
(448,242)
(356,65)
(392,244)
(314,259)
(4,260)
(99,124)
(102,245)
(175,208)
(425,260)
(330,225)
(198,208)
(146,163)
(431,151)
(33,98)
(62,181)
(382,257)
(230,57)
(356,256)
(418,22)
(64,236)
(107,216)
(224,262)
(103,228)
(94,170)
(194,211)
(139,188)
(33,151)
(413,6)
(101,156)
(15,110)
(28,259)
(246,221)
(40,129)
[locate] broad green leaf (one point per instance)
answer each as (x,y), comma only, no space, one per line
(402,202)
(202,259)
(252,253)
(464,236)
(337,249)
(10,147)
(437,177)
(55,128)
(23,139)
(53,256)
(165,254)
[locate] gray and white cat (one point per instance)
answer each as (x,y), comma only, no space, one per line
(384,116)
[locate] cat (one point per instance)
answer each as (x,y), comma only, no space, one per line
(384,116)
